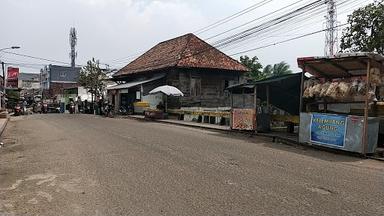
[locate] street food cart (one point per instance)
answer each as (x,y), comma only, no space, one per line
(341,102)
(255,105)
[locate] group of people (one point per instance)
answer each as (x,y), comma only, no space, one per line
(100,107)
(80,106)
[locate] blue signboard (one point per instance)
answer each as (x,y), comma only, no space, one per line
(328,129)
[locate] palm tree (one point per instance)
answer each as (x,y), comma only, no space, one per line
(278,69)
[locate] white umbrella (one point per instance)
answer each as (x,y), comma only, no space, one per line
(168,90)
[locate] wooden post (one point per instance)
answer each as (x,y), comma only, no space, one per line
(255,97)
(301,94)
(243,98)
(231,98)
(255,105)
(302,90)
(166,103)
(366,111)
(267,92)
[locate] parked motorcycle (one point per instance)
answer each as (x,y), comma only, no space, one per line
(126,110)
(44,108)
(37,107)
(17,110)
(109,111)
(72,108)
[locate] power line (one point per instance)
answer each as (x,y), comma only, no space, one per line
(284,41)
(243,35)
(274,24)
(247,33)
(38,58)
(292,26)
(289,25)
(34,57)
(249,22)
(233,16)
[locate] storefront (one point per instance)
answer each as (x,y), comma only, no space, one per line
(340,104)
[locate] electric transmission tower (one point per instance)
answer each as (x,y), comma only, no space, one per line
(331,35)
(73,42)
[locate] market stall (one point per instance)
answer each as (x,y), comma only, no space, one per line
(274,102)
(340,104)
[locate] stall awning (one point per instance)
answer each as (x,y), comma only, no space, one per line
(340,65)
(135,83)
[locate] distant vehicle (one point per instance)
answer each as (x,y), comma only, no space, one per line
(53,109)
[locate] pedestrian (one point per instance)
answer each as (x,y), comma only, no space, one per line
(24,104)
(79,104)
(86,107)
(76,107)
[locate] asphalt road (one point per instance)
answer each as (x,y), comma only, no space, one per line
(87,165)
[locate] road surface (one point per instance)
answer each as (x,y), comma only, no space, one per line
(86,165)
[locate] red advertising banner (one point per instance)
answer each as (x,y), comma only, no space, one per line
(12,73)
(243,119)
(12,77)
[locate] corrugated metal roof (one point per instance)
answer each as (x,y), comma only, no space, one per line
(340,65)
(134,83)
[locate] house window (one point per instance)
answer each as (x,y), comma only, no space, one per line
(63,74)
(195,87)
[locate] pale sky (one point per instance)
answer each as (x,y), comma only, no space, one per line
(114,30)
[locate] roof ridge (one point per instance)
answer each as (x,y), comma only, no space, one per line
(189,35)
(209,48)
(166,41)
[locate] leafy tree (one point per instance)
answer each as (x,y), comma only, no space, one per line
(92,78)
(254,66)
(365,31)
(278,69)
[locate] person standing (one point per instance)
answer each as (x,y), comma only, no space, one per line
(24,105)
(79,104)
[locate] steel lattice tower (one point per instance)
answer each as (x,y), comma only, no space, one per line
(73,42)
(331,35)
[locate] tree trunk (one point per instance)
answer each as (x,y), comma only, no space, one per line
(93,106)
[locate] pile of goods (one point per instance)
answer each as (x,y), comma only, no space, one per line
(344,89)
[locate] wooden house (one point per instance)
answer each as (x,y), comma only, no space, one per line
(199,70)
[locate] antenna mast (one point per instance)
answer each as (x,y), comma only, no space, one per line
(331,35)
(73,43)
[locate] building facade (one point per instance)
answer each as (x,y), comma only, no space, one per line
(29,83)
(54,79)
(199,70)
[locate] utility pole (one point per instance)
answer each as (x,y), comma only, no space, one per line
(73,43)
(331,35)
(2,99)
(2,102)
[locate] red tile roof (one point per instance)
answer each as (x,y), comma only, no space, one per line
(186,51)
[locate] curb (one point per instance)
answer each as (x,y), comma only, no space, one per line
(4,126)
(176,123)
(275,139)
